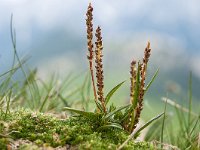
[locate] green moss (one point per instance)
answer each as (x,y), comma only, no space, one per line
(3,143)
(4,139)
(75,132)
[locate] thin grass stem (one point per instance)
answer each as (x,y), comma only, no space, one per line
(163,124)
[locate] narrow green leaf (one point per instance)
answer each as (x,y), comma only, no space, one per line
(109,95)
(115,111)
(44,102)
(134,134)
(64,99)
(127,112)
(195,125)
(80,112)
(151,81)
(125,116)
(8,102)
(137,88)
(147,124)
(132,122)
(14,69)
(99,106)
(190,102)
(112,125)
(181,119)
(163,124)
(13,39)
(88,90)
(82,91)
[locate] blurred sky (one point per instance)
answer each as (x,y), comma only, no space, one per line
(53,33)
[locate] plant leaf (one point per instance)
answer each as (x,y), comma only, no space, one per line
(125,115)
(15,68)
(112,125)
(109,95)
(147,124)
(99,106)
(80,112)
(151,81)
(137,88)
(163,124)
(134,134)
(195,125)
(115,111)
(190,102)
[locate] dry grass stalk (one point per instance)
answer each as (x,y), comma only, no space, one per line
(138,109)
(176,105)
(165,146)
(99,67)
(133,80)
(90,55)
(133,73)
(142,71)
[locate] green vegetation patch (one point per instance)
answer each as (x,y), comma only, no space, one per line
(44,130)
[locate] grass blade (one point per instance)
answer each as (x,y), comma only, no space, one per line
(147,124)
(190,101)
(134,134)
(82,90)
(152,79)
(115,111)
(195,125)
(15,68)
(8,103)
(112,125)
(176,105)
(163,124)
(13,38)
(80,112)
(109,95)
(71,94)
(99,106)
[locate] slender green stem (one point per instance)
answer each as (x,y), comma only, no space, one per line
(190,101)
(163,124)
(8,98)
(13,38)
